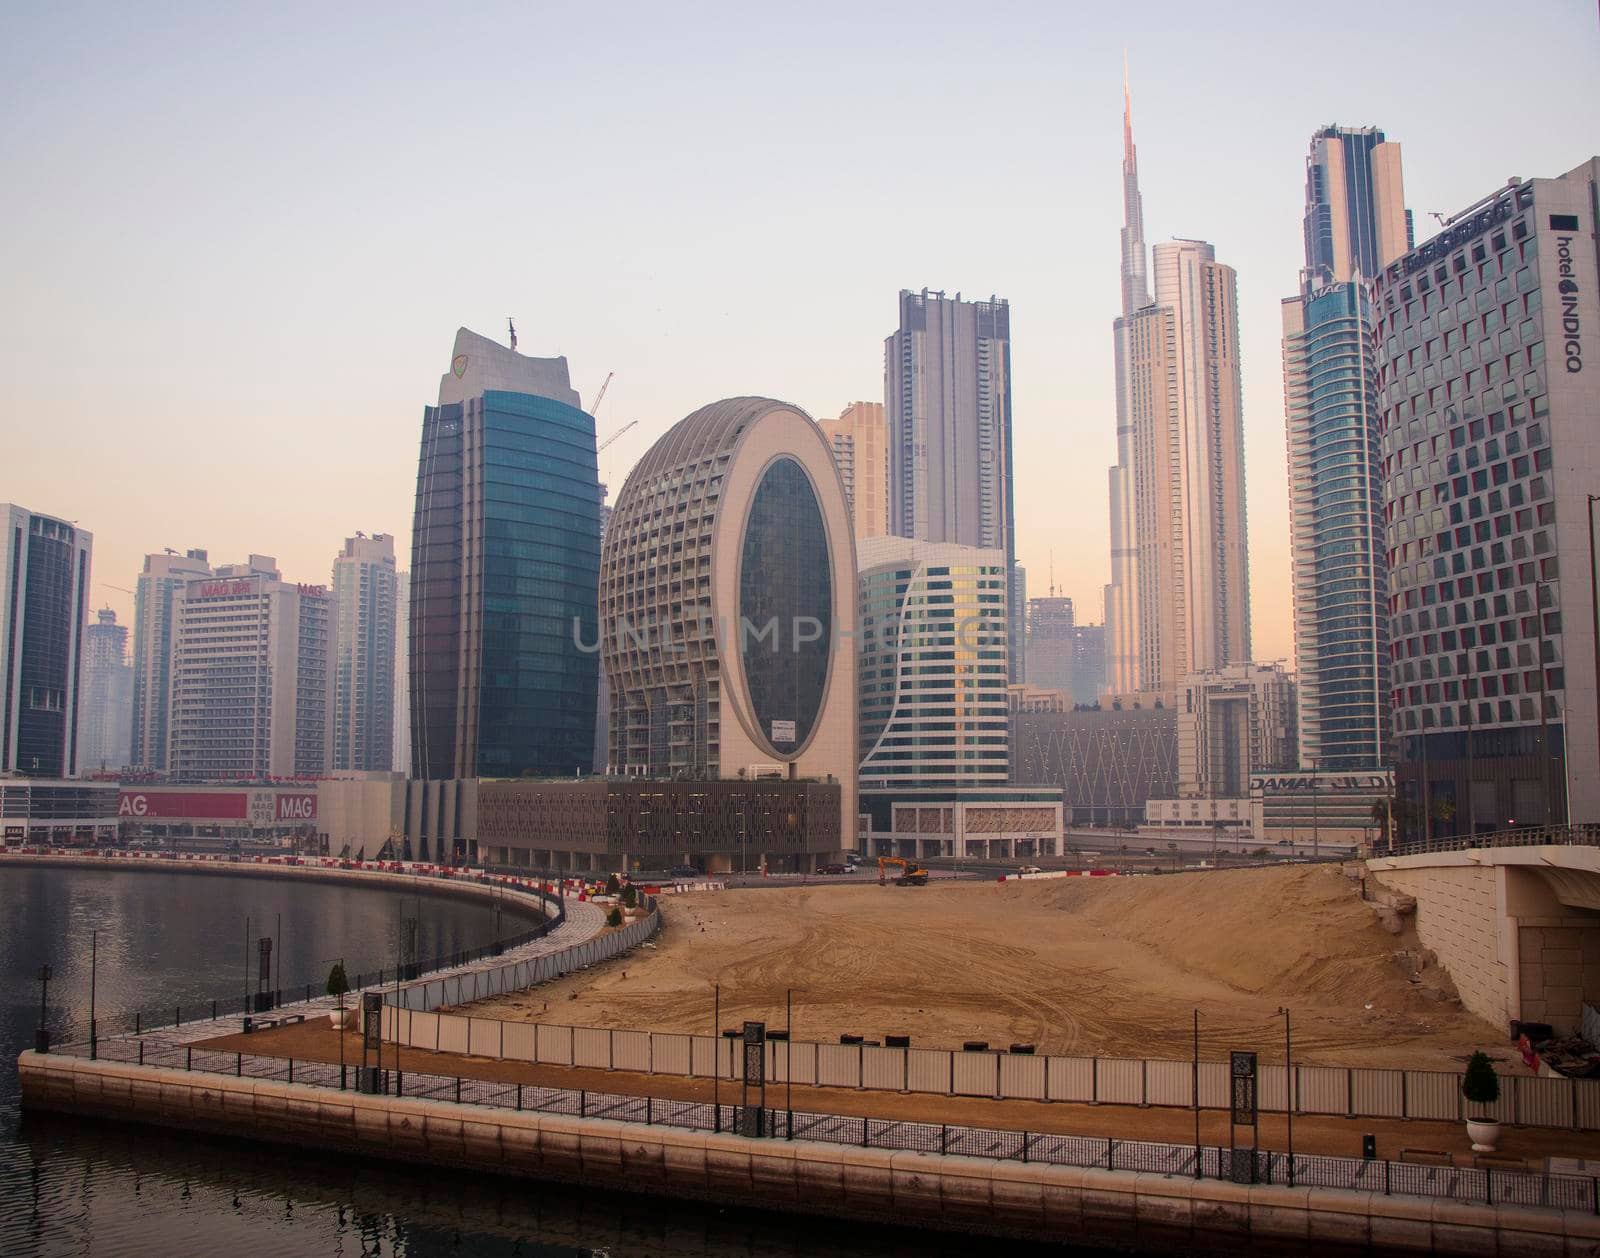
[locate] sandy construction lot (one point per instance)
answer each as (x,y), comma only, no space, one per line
(1106,966)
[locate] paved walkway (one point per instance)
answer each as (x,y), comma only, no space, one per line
(1313,1133)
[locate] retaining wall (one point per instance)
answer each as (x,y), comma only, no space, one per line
(1033,1201)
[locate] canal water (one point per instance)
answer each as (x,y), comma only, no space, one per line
(71,1186)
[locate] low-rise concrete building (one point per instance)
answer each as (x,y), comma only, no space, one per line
(57,812)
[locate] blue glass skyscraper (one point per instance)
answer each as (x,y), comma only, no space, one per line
(505,563)
(1355,223)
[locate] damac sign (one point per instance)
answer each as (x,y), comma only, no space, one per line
(226,589)
(1567,287)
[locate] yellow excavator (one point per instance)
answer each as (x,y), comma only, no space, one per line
(911,874)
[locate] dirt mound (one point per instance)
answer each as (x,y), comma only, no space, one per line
(1112,966)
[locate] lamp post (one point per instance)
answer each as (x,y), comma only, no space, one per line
(1288,1087)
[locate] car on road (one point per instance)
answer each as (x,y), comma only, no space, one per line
(685,871)
(1030,869)
(833,869)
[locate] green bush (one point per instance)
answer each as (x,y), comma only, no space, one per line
(613,885)
(1480,1084)
(630,896)
(338,984)
(614,918)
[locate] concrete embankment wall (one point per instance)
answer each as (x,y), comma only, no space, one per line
(1053,1203)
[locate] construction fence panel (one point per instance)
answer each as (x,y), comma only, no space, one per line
(520,1041)
(1121,1082)
(483,1037)
(1215,1086)
(669,1053)
(555,1045)
(975,1074)
(1322,1090)
(1378,1093)
(1169,1082)
(928,1070)
(1586,1104)
(1070,1078)
(1271,1091)
(1022,1076)
(1432,1094)
(838,1065)
(630,1050)
(453,1033)
(805,1062)
(702,1056)
(591,1046)
(884,1068)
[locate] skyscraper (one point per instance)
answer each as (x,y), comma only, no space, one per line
(154,623)
(251,676)
(931,664)
(1179,597)
(1355,224)
(1051,621)
(1486,398)
(947,393)
(105,711)
(44,592)
(505,559)
(859,439)
(400,748)
(364,587)
(1356,221)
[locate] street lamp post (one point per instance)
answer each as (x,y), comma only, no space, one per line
(1594,607)
(1288,1088)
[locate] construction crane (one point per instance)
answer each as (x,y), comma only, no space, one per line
(601,396)
(632,423)
(119,589)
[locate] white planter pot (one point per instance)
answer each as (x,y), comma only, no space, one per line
(1484,1134)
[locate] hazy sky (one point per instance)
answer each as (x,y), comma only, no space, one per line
(237,242)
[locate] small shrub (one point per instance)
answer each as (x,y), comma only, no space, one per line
(614,918)
(613,885)
(1480,1084)
(338,984)
(630,896)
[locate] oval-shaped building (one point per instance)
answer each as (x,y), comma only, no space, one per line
(728,604)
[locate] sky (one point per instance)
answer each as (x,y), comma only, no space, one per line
(236,241)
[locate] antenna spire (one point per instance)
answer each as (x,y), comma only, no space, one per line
(511,323)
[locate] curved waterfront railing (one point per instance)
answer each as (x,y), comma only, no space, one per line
(459,989)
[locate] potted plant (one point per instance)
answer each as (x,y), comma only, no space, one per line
(1481,1088)
(338,985)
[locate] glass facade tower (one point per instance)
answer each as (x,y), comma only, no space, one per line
(1356,223)
(504,572)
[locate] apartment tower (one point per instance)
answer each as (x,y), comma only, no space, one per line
(947,391)
(1355,225)
(364,587)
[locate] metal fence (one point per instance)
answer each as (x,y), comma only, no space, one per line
(1346,1091)
(457,989)
(1581,834)
(137,1021)
(1479,1185)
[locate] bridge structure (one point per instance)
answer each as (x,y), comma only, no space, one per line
(1514,916)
